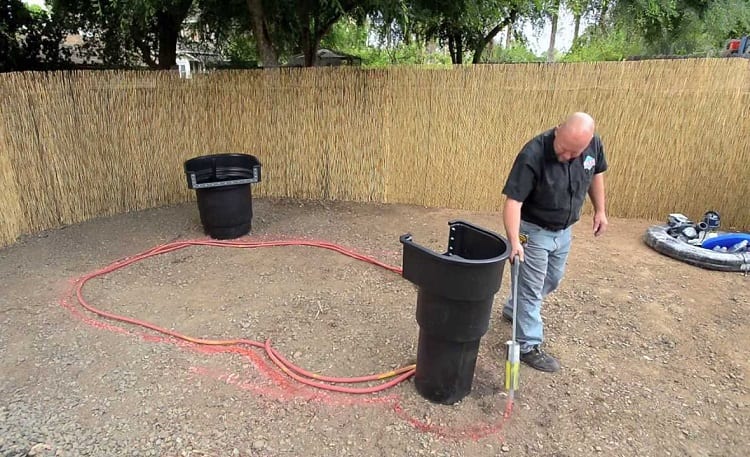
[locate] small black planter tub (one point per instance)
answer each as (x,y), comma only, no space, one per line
(222,187)
(454,302)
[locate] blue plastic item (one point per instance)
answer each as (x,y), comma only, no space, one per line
(726,240)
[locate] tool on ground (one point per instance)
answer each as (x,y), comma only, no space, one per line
(512,348)
(695,233)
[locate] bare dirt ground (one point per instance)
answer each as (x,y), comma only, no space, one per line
(654,351)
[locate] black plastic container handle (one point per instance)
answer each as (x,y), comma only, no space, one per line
(222,170)
(193,183)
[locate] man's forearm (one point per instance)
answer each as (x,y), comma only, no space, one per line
(512,219)
(596,192)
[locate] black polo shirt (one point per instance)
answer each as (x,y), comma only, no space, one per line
(553,192)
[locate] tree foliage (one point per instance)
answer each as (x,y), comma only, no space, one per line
(352,37)
(725,19)
(121,30)
(467,26)
(30,38)
(683,26)
(281,28)
(270,32)
(610,45)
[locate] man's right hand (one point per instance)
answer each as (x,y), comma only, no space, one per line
(516,249)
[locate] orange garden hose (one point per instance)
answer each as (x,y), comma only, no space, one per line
(293,371)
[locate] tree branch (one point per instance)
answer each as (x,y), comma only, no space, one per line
(138,37)
(510,19)
(145,52)
(263,42)
(320,32)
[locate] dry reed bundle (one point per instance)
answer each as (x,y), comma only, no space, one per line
(672,130)
(11,222)
(84,144)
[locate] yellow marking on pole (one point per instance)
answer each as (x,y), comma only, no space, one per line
(511,375)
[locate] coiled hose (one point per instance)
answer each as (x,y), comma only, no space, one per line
(303,376)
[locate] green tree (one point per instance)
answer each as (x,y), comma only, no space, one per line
(679,27)
(30,38)
(725,19)
(515,52)
(150,28)
(597,45)
(667,26)
(579,9)
(347,35)
(282,27)
(401,48)
(467,26)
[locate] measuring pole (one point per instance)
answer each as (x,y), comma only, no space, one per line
(512,348)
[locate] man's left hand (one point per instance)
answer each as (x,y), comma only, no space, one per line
(600,223)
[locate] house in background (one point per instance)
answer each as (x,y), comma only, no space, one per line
(326,58)
(196,49)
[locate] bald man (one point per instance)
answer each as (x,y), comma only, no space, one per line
(545,191)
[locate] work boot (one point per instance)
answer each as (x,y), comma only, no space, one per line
(539,360)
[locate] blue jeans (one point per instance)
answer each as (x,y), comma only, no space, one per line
(545,254)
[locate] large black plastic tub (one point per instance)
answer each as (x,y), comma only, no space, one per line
(456,290)
(222,186)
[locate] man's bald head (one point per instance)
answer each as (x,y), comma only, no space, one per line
(573,136)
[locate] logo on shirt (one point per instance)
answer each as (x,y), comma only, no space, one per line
(588,163)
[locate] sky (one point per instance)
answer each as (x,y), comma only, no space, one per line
(538,40)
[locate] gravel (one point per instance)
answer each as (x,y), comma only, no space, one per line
(651,351)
